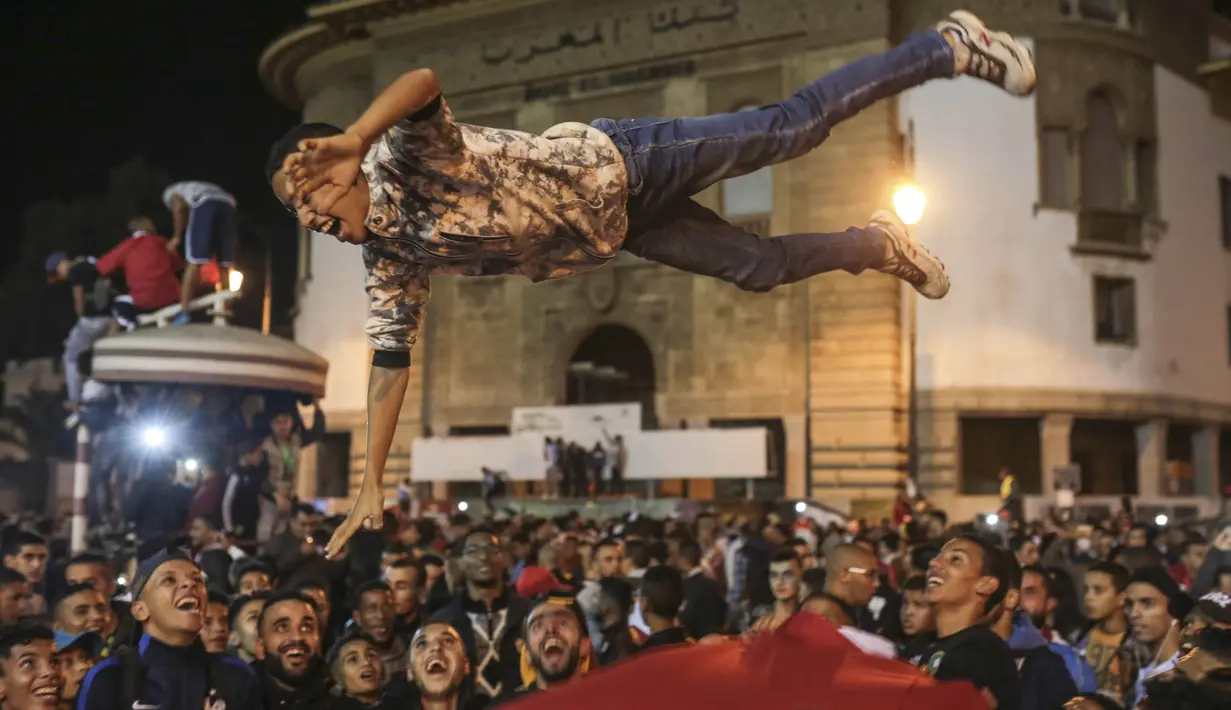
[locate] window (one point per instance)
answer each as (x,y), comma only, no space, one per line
(988,444)
(1102,156)
(1224,205)
(1054,168)
(1115,312)
(748,200)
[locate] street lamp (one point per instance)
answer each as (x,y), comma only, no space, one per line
(236,280)
(910,202)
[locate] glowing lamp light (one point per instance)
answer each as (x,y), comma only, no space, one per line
(910,202)
(801,507)
(191,465)
(992,519)
(154,437)
(463,506)
(236,280)
(1160,520)
(121,581)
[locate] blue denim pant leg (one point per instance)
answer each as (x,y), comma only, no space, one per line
(695,239)
(672,159)
(85,332)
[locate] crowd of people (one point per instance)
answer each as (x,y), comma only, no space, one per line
(573,470)
(458,613)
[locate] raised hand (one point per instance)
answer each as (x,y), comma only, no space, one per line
(368,511)
(323,170)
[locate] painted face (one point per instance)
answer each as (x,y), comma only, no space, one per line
(359,669)
(217,628)
(32,677)
(438,662)
(784,580)
(553,637)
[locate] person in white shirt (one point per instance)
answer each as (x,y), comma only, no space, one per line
(204,218)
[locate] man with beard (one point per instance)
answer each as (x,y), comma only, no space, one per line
(30,676)
(965,583)
(486,615)
(438,669)
(373,615)
(244,613)
(1036,599)
(288,651)
(168,669)
(556,645)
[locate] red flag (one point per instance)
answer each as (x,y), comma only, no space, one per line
(804,665)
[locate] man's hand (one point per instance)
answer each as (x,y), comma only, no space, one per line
(323,170)
(368,511)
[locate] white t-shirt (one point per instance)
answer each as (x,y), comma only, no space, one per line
(196,193)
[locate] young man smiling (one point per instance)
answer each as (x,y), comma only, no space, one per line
(30,675)
(426,195)
(966,583)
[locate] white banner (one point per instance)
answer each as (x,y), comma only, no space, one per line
(584,424)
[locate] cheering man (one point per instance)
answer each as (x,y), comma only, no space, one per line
(426,195)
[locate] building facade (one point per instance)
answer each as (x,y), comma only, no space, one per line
(1085,229)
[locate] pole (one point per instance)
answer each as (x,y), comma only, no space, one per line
(267,304)
(81,489)
(913,401)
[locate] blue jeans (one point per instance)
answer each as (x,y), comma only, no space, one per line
(671,159)
(81,339)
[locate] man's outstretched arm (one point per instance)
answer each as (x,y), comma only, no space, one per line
(397,291)
(409,93)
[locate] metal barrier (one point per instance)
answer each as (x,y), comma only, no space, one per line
(215,302)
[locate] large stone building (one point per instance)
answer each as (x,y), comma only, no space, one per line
(1087,231)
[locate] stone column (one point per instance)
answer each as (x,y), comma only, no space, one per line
(1054,433)
(1152,458)
(795,428)
(1206,462)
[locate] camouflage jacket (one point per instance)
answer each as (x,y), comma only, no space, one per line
(453,198)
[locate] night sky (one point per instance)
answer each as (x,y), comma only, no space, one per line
(88,84)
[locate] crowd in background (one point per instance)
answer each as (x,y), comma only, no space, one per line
(1045,614)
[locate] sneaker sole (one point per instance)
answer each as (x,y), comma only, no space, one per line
(903,239)
(967,22)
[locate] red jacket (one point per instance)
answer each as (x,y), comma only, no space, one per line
(149,268)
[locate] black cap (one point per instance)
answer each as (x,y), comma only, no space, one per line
(150,565)
(1217,606)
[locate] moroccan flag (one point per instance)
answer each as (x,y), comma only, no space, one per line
(804,665)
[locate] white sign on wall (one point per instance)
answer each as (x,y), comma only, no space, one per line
(584,424)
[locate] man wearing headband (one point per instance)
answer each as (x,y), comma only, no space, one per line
(555,647)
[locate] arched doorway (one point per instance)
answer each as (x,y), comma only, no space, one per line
(613,364)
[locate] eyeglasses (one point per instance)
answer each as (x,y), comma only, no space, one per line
(869,573)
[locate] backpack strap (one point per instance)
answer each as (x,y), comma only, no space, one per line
(132,676)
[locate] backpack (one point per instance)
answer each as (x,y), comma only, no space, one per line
(132,677)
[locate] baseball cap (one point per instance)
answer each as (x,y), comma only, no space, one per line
(1217,606)
(150,565)
(538,581)
(54,259)
(87,641)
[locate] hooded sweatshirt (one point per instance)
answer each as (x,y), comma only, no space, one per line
(1046,682)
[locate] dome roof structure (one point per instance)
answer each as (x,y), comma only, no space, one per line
(218,355)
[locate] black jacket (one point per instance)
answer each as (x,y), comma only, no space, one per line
(314,696)
(705,607)
(172,678)
(671,637)
(500,666)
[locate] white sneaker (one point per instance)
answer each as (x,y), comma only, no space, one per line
(994,56)
(909,261)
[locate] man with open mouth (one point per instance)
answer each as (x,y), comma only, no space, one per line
(356,668)
(373,613)
(30,677)
(439,668)
(555,642)
(966,584)
(288,650)
(169,669)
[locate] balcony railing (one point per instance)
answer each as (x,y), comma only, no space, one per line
(1113,12)
(1117,231)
